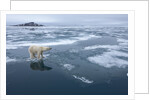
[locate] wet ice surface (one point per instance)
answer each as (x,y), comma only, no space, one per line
(88,60)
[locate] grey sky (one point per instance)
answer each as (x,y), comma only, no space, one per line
(70,19)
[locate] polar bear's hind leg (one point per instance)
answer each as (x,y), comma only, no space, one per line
(34,55)
(42,55)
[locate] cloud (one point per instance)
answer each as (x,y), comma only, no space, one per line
(79,19)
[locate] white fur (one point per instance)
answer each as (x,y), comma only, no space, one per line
(33,50)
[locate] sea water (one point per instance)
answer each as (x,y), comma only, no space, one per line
(84,60)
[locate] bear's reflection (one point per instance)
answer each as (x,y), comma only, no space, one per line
(39,65)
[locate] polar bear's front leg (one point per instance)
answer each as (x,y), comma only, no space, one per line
(32,56)
(38,55)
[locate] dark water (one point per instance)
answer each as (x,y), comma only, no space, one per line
(83,61)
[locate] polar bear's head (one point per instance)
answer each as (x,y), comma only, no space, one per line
(46,48)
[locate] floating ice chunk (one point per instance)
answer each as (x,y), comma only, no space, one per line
(117,53)
(11,47)
(10,60)
(83,79)
(102,46)
(46,55)
(109,59)
(69,66)
(87,37)
(120,40)
(36,59)
(73,51)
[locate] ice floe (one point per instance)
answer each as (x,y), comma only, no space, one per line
(58,42)
(109,59)
(102,46)
(10,60)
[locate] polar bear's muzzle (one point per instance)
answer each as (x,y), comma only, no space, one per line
(49,48)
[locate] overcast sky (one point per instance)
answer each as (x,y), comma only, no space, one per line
(70,19)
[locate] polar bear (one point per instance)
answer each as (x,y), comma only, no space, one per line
(33,50)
